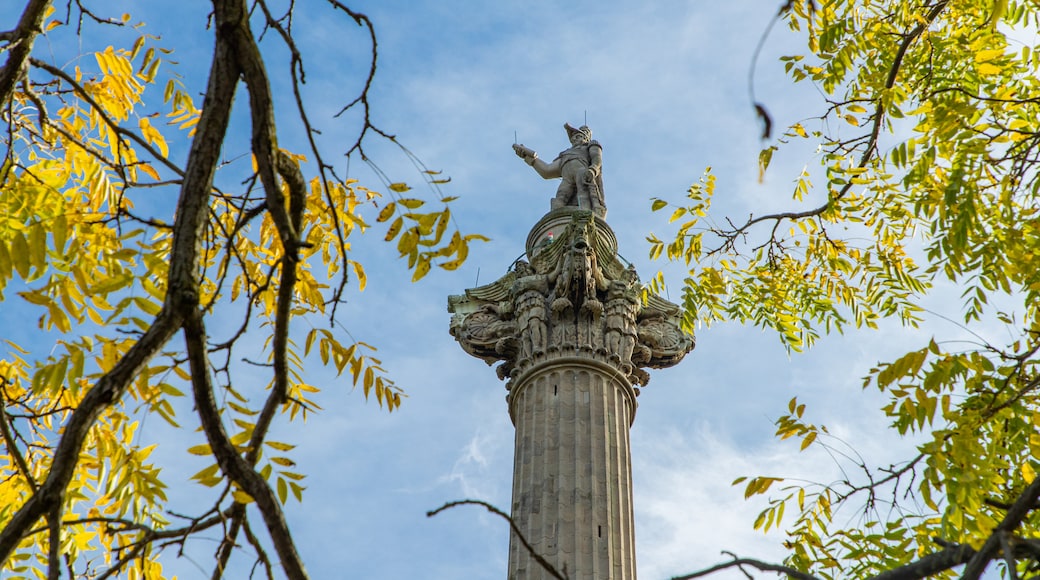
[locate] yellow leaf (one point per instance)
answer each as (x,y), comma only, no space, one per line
(282,490)
(808,440)
(200,449)
(20,254)
(242,497)
(387,212)
(987,69)
(35,297)
(406,245)
(297,490)
(421,269)
(1027,473)
(399,187)
(149,170)
(453,264)
(279,446)
(147,305)
(360,273)
(208,476)
(5,262)
(988,55)
(83,539)
(152,135)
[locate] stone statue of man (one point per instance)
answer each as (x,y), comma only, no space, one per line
(580,167)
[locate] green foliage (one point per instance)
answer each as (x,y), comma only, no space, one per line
(928,176)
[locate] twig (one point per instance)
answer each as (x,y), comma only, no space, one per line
(512,525)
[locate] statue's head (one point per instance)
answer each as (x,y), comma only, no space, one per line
(578,135)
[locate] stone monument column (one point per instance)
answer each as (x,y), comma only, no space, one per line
(573,330)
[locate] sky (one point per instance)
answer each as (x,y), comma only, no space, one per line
(664,87)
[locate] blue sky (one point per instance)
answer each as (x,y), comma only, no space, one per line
(664,88)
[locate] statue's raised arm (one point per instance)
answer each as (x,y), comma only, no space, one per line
(580,167)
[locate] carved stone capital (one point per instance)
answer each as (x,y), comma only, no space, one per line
(572,297)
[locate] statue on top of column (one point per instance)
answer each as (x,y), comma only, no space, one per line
(580,167)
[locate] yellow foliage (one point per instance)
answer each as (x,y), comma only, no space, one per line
(91,268)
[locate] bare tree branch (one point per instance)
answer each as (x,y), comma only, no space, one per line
(739,562)
(512,525)
(231,463)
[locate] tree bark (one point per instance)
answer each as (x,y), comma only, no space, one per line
(21,40)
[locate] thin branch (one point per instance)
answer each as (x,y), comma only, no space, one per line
(261,554)
(9,440)
(123,133)
(512,525)
(122,562)
(227,543)
(234,466)
(871,144)
(740,562)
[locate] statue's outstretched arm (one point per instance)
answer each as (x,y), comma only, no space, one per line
(546,170)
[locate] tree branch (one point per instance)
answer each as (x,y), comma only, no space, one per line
(512,525)
(930,565)
(182,295)
(1025,503)
(871,144)
(21,40)
(739,562)
(234,466)
(10,443)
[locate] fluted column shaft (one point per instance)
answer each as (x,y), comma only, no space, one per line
(572,476)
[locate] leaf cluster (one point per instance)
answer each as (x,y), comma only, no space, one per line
(927,177)
(115,248)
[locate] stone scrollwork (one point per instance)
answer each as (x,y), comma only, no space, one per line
(574,297)
(482,333)
(667,343)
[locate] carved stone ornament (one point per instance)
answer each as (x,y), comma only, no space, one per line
(571,297)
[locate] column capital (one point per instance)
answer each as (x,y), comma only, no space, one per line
(571,297)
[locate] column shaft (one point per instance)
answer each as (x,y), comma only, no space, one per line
(572,476)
